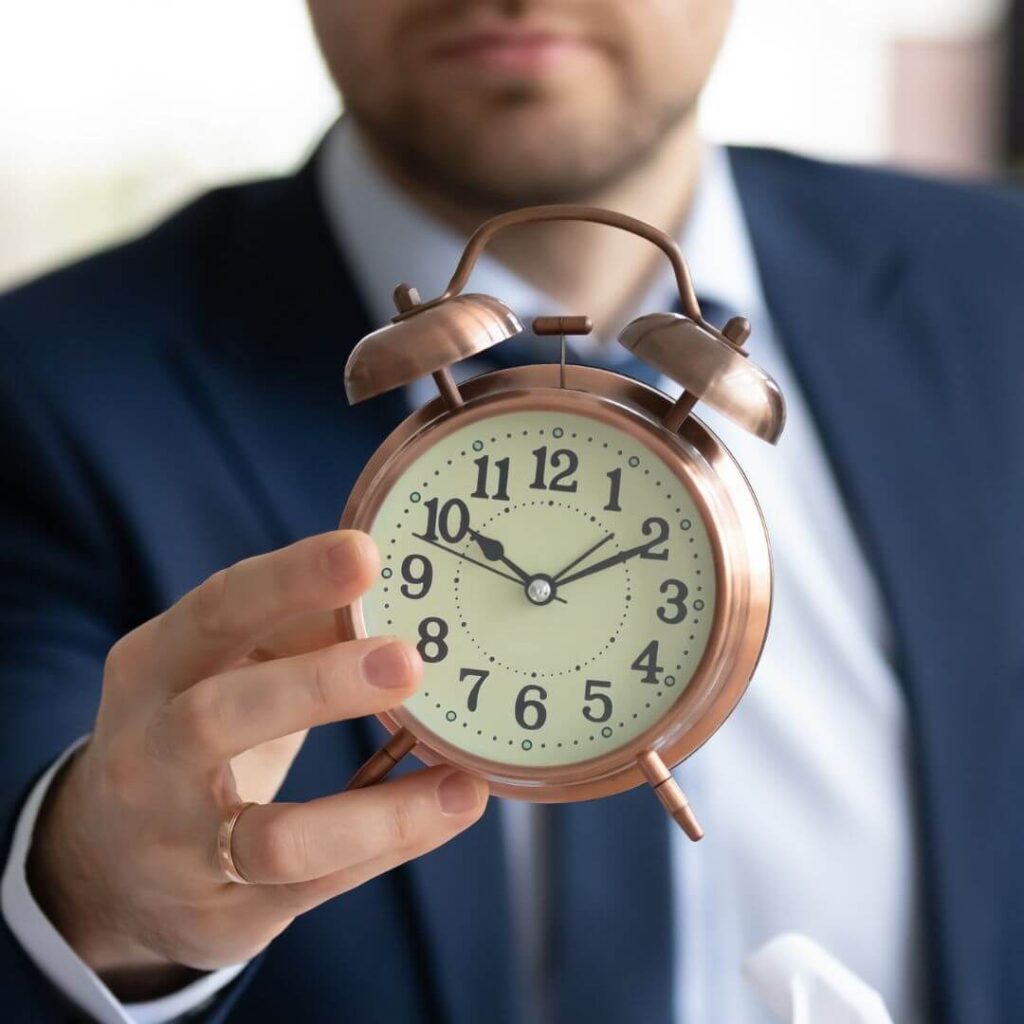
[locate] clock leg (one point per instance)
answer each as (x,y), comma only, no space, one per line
(380,764)
(672,798)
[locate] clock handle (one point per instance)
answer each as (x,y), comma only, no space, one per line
(591,214)
(672,798)
(379,765)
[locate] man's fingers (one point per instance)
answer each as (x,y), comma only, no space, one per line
(212,626)
(300,634)
(293,843)
(227,714)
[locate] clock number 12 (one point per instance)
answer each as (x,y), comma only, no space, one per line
(563,460)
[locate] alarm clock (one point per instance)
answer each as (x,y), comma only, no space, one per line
(580,562)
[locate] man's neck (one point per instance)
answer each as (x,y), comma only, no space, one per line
(591,269)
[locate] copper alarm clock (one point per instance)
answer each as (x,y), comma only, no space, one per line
(580,562)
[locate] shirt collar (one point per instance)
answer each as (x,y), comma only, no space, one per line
(389,239)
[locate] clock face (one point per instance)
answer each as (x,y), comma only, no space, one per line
(557,579)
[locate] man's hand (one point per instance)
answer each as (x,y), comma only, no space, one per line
(206,706)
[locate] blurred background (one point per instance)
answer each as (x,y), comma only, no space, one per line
(113,112)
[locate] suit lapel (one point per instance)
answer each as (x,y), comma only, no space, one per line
(875,366)
(280,317)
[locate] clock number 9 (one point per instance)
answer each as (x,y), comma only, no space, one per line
(602,699)
(422,579)
(678,602)
(524,704)
(431,645)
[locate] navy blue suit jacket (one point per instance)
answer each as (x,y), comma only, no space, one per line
(176,404)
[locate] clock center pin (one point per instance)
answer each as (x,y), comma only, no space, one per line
(540,590)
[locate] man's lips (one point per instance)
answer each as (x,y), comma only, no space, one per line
(510,51)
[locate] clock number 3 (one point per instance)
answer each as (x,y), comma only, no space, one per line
(431,645)
(479,675)
(675,609)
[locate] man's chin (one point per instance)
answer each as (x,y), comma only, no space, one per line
(495,153)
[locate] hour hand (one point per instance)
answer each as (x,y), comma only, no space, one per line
(494,551)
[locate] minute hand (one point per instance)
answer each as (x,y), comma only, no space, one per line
(607,563)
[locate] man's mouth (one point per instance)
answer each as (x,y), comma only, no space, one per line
(512,50)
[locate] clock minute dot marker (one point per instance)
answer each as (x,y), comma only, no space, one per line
(605,732)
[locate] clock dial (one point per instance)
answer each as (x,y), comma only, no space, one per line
(557,579)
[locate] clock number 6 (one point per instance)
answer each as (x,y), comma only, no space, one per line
(602,699)
(431,645)
(479,675)
(524,704)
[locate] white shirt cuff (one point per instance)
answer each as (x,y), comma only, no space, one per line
(53,956)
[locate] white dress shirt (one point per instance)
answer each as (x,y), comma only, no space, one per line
(805,793)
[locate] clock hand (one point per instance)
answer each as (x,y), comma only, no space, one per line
(483,565)
(607,563)
(468,558)
(576,561)
(494,551)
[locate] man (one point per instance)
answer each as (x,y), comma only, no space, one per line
(174,407)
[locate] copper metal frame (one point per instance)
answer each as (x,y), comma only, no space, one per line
(736,531)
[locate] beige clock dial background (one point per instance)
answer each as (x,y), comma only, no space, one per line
(536,656)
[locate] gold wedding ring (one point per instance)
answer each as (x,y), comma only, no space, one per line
(225,857)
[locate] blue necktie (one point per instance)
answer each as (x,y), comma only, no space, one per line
(609,952)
